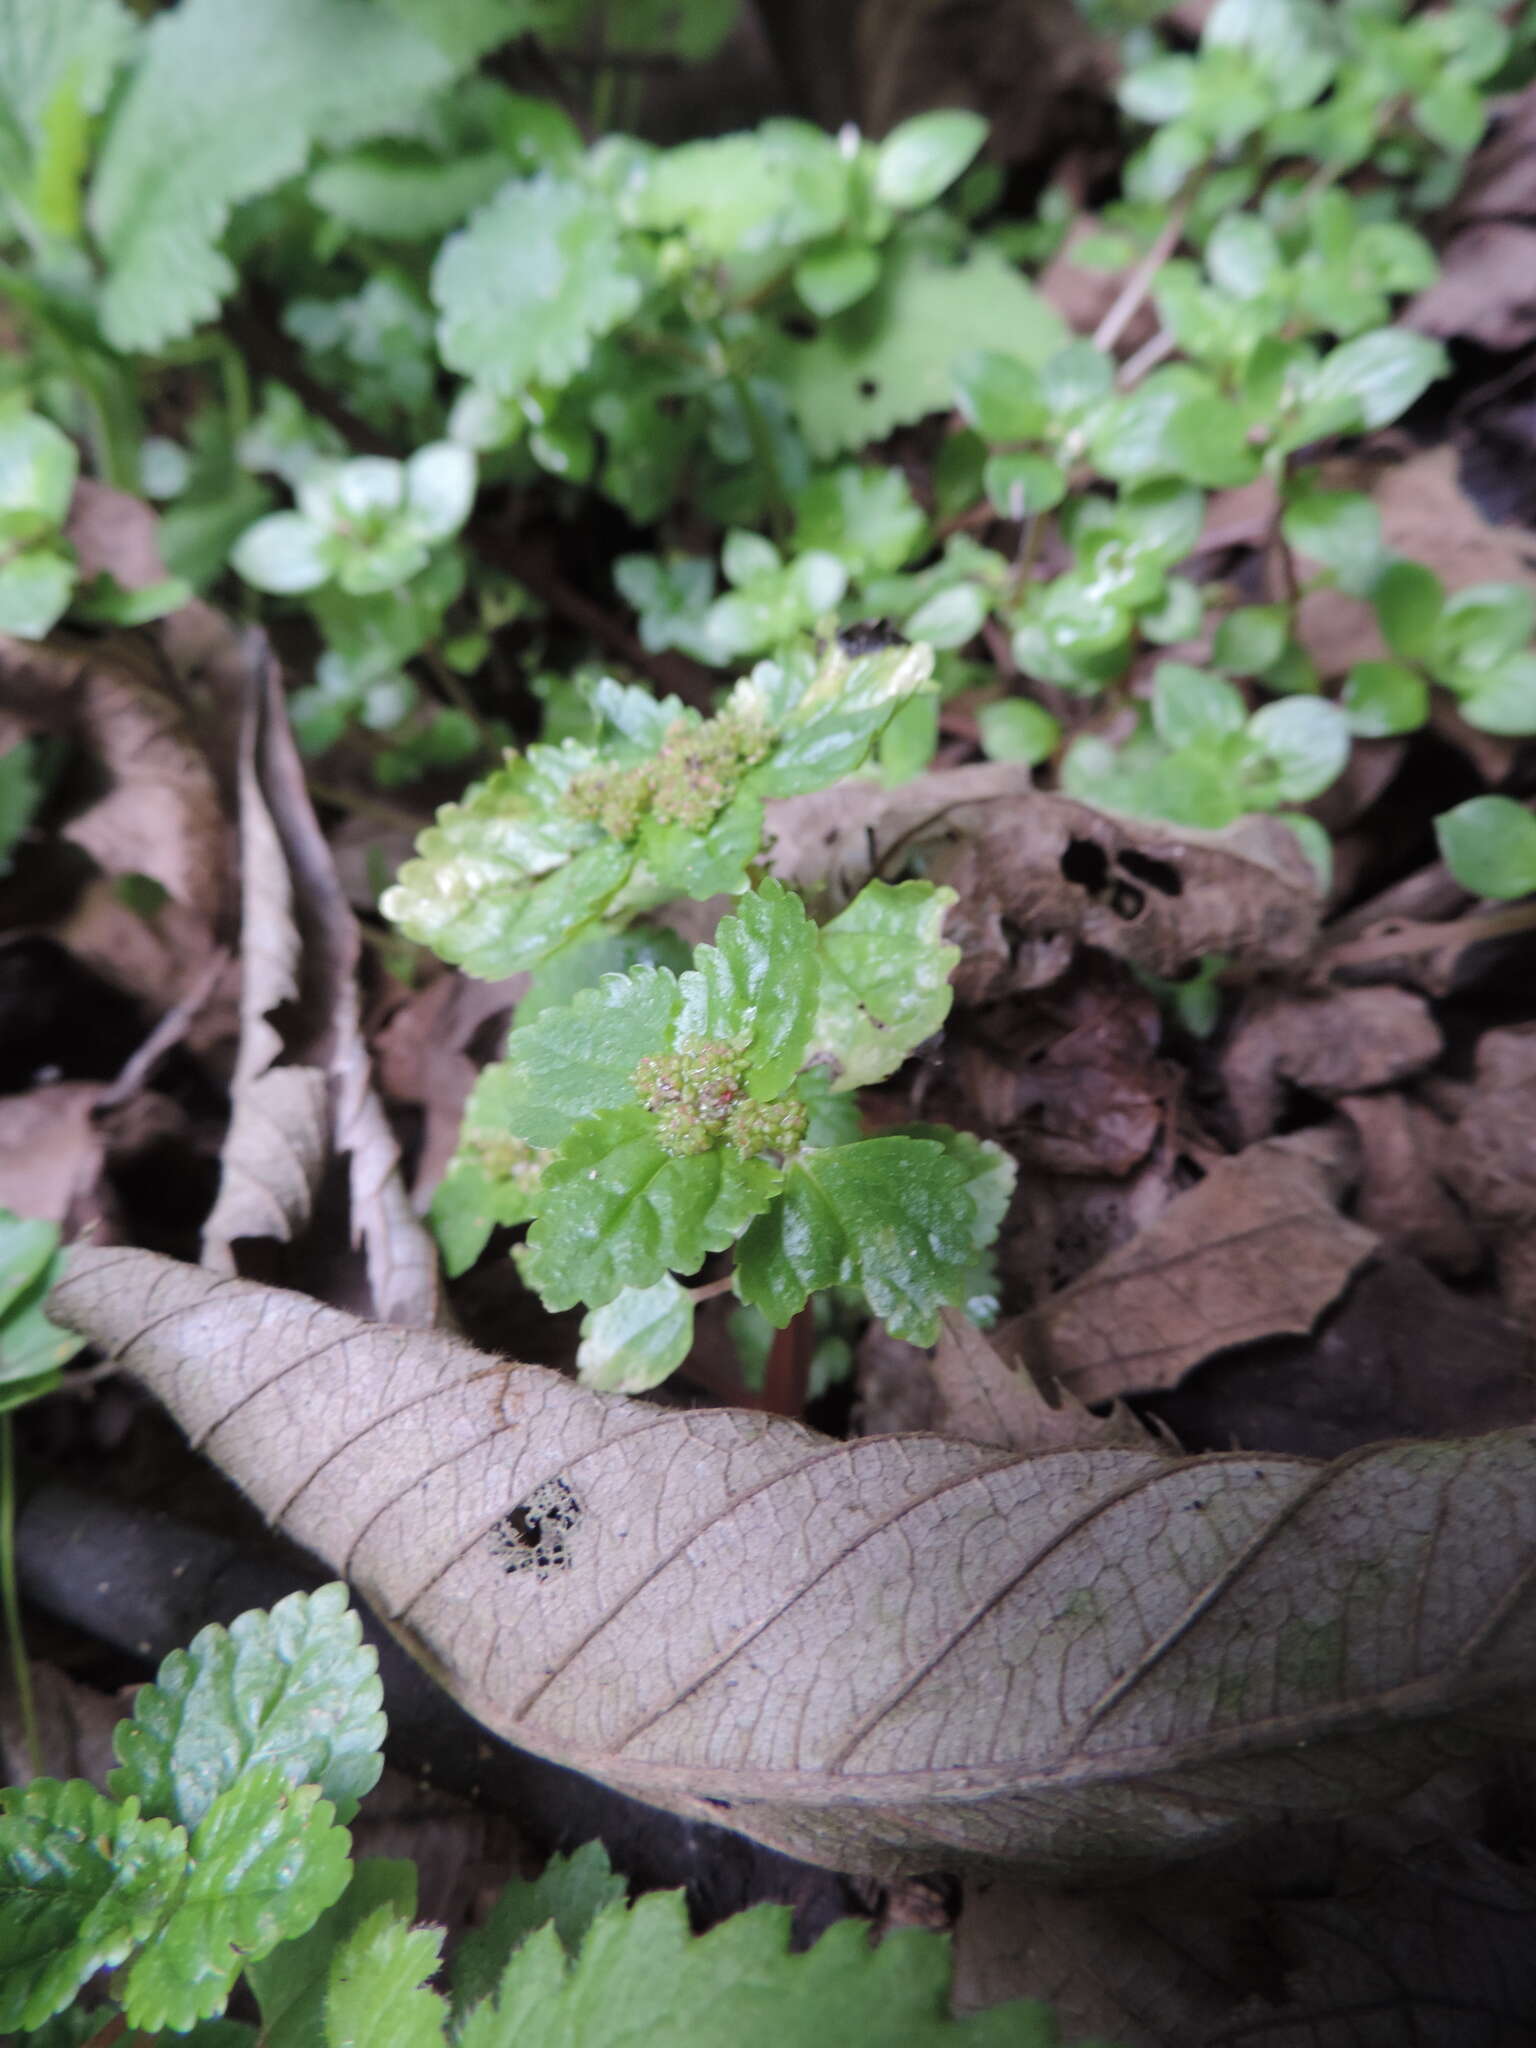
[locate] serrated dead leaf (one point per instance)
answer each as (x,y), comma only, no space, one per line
(988,1400)
(898,1653)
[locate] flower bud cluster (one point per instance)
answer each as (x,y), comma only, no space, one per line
(698,1097)
(688,781)
(504,1157)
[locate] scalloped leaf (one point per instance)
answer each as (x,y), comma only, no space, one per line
(633,1342)
(575,1062)
(889,1215)
(885,983)
(377,1996)
(531,283)
(757,984)
(296,1688)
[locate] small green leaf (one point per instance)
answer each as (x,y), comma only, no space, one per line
(1251,639)
(1489,845)
(284,554)
(439,489)
(889,1215)
(1339,529)
(1377,376)
(290,1985)
(1020,484)
(467,1205)
(568,1894)
(37,467)
(924,156)
(635,1341)
(296,1689)
(835,276)
(884,980)
(266,1861)
(82,1882)
(35,586)
(1382,698)
(1000,395)
(617,1211)
(1306,739)
(1243,255)
(1503,698)
(867,517)
(1190,706)
(377,1996)
(1409,600)
(757,986)
(1017,729)
(572,1063)
(1206,441)
(531,283)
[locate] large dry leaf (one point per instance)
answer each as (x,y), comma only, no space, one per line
(1340,1041)
(1257,1249)
(1037,873)
(303,1091)
(893,1653)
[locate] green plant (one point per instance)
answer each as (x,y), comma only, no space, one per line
(849,444)
(220,1853)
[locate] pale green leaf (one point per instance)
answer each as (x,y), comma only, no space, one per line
(924,156)
(1307,741)
(884,980)
(266,1861)
(407,198)
(34,592)
(757,986)
(887,361)
(37,467)
(531,283)
(1489,845)
(866,516)
(737,195)
(377,1996)
(285,554)
(295,1688)
(633,1342)
(226,103)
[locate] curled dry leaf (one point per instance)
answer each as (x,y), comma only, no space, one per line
(890,1654)
(1037,873)
(160,815)
(1402,1195)
(1489,1158)
(1340,1042)
(1257,1249)
(303,1090)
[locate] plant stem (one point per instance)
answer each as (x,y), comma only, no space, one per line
(458,696)
(21,1670)
(758,434)
(1431,938)
(1134,291)
(711,1288)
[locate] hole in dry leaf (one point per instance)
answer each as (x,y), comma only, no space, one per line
(1087,864)
(532,1536)
(1127,901)
(1161,875)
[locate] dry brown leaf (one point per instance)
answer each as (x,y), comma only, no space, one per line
(1489,1158)
(1364,1937)
(1401,1195)
(987,1400)
(74,1724)
(161,815)
(51,1154)
(1257,1249)
(1037,873)
(1069,1080)
(423,1057)
(1340,1042)
(303,1092)
(1486,289)
(1402,1355)
(890,1654)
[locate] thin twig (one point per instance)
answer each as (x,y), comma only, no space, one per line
(170,1031)
(1431,938)
(710,1288)
(1156,349)
(1129,300)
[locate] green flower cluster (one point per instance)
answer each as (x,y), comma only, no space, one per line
(698,1096)
(688,781)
